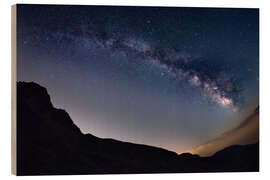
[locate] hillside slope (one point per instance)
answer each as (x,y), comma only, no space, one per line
(48,142)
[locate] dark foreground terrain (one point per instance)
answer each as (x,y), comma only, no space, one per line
(48,142)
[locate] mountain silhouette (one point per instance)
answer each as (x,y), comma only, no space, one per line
(49,143)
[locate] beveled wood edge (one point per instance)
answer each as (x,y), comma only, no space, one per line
(13,89)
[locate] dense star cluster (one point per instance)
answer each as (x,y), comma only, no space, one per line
(130,73)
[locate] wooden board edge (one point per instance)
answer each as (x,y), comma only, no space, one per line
(13,89)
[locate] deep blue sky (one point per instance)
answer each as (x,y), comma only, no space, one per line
(169,77)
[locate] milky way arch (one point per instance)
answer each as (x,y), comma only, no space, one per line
(220,89)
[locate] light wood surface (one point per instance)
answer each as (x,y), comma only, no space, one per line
(13,89)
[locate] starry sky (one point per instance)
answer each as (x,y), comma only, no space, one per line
(170,77)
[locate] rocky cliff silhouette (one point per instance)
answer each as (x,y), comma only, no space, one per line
(48,142)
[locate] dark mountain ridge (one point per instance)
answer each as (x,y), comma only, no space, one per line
(48,142)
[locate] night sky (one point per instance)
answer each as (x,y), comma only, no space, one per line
(169,77)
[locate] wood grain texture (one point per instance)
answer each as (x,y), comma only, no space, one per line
(13,89)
